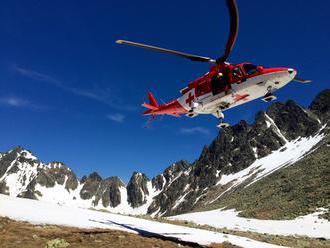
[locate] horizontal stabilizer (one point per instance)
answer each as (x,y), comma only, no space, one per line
(148,106)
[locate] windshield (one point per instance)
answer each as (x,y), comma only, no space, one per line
(250,68)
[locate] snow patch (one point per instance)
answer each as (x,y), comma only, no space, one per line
(255,152)
(28,155)
(171,181)
(18,181)
(125,208)
(294,151)
(310,225)
(38,212)
(270,122)
(61,196)
(180,200)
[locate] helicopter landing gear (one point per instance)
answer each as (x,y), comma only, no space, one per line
(269,96)
(192,112)
(221,116)
(223,125)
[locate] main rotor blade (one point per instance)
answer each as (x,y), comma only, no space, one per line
(234,24)
(301,80)
(163,50)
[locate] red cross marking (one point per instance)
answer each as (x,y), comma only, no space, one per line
(190,99)
(239,97)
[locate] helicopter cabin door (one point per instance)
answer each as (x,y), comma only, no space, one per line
(202,90)
(218,83)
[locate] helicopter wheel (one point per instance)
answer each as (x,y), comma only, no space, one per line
(221,117)
(223,125)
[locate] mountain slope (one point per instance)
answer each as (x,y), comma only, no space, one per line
(237,148)
(240,155)
(287,193)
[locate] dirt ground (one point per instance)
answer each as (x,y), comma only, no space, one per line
(22,234)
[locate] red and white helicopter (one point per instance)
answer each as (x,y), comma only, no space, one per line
(225,86)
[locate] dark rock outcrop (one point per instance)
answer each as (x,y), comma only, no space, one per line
(57,173)
(91,186)
(321,105)
(293,120)
(109,192)
(137,189)
(3,188)
(8,158)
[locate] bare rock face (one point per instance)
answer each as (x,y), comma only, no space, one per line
(57,173)
(321,105)
(109,192)
(137,189)
(112,196)
(29,193)
(106,192)
(3,188)
(158,182)
(293,120)
(173,182)
(91,186)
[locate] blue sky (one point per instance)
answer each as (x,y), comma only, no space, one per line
(69,93)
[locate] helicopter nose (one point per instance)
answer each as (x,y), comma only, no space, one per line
(292,72)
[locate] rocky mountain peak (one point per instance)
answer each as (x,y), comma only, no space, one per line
(23,153)
(293,120)
(17,149)
(91,186)
(115,180)
(57,166)
(321,105)
(94,176)
(137,189)
(176,168)
(111,191)
(17,168)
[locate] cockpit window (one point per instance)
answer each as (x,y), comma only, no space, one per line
(236,73)
(250,68)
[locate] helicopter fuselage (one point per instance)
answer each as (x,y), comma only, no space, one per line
(225,87)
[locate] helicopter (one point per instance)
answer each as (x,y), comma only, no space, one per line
(224,86)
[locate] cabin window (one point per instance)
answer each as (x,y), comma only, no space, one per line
(202,88)
(250,69)
(236,73)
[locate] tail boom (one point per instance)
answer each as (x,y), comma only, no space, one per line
(172,108)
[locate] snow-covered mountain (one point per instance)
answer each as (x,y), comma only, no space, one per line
(240,155)
(23,175)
